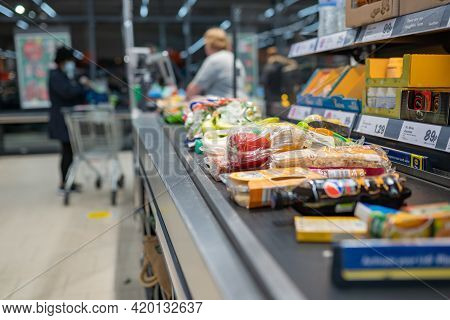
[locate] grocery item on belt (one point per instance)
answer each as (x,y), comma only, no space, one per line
(439,212)
(285,136)
(393,224)
(357,156)
(333,196)
(328,229)
(217,165)
(215,143)
(248,148)
(253,189)
(340,173)
(218,114)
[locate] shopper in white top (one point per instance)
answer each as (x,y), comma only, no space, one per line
(215,76)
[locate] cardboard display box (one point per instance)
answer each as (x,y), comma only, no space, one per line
(372,106)
(411,6)
(427,106)
(370,13)
(418,71)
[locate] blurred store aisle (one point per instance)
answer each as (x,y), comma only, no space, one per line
(36,232)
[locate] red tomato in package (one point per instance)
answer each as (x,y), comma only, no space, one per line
(248,151)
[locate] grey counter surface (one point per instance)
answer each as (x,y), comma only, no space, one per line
(307,267)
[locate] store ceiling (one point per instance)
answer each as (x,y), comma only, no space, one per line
(162,15)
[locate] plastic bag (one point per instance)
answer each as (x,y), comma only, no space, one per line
(286,136)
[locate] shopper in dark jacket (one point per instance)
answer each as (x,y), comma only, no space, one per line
(64,91)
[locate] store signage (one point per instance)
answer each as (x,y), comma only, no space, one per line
(346,118)
(378,31)
(422,21)
(299,112)
(374,126)
(420,134)
(332,41)
(303,48)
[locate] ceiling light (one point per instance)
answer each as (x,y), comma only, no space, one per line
(22,24)
(31,14)
(225,24)
(6,11)
(144,9)
(48,10)
(269,13)
(20,9)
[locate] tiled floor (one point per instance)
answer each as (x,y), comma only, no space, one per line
(48,251)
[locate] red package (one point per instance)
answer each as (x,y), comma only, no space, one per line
(248,148)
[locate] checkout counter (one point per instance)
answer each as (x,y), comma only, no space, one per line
(215,249)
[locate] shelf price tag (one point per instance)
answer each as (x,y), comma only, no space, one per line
(303,48)
(299,112)
(374,126)
(378,31)
(346,118)
(420,134)
(332,41)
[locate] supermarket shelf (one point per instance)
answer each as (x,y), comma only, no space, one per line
(419,23)
(415,133)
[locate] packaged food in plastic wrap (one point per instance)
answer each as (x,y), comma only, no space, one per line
(248,148)
(253,189)
(358,156)
(216,165)
(286,136)
(215,143)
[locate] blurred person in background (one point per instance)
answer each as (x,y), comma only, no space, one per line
(273,75)
(215,76)
(64,91)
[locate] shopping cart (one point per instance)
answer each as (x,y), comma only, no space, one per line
(94,134)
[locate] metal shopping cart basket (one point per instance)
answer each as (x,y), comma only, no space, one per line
(94,134)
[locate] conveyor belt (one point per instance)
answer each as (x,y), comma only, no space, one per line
(307,265)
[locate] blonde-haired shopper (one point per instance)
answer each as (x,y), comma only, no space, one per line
(215,76)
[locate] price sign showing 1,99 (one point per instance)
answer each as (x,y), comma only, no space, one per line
(420,134)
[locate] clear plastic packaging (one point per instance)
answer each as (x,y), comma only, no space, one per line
(215,143)
(286,136)
(365,157)
(248,148)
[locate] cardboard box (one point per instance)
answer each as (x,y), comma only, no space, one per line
(427,106)
(374,108)
(411,6)
(419,71)
(370,13)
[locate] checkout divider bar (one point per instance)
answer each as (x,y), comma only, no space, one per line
(271,277)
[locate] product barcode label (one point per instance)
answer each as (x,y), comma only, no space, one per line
(299,112)
(378,31)
(420,134)
(374,126)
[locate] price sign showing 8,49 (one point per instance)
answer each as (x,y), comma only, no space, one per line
(420,134)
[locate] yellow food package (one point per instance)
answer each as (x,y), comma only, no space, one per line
(328,229)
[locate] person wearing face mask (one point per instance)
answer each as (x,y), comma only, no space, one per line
(215,76)
(64,91)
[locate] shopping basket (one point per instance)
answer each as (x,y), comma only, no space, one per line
(94,134)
